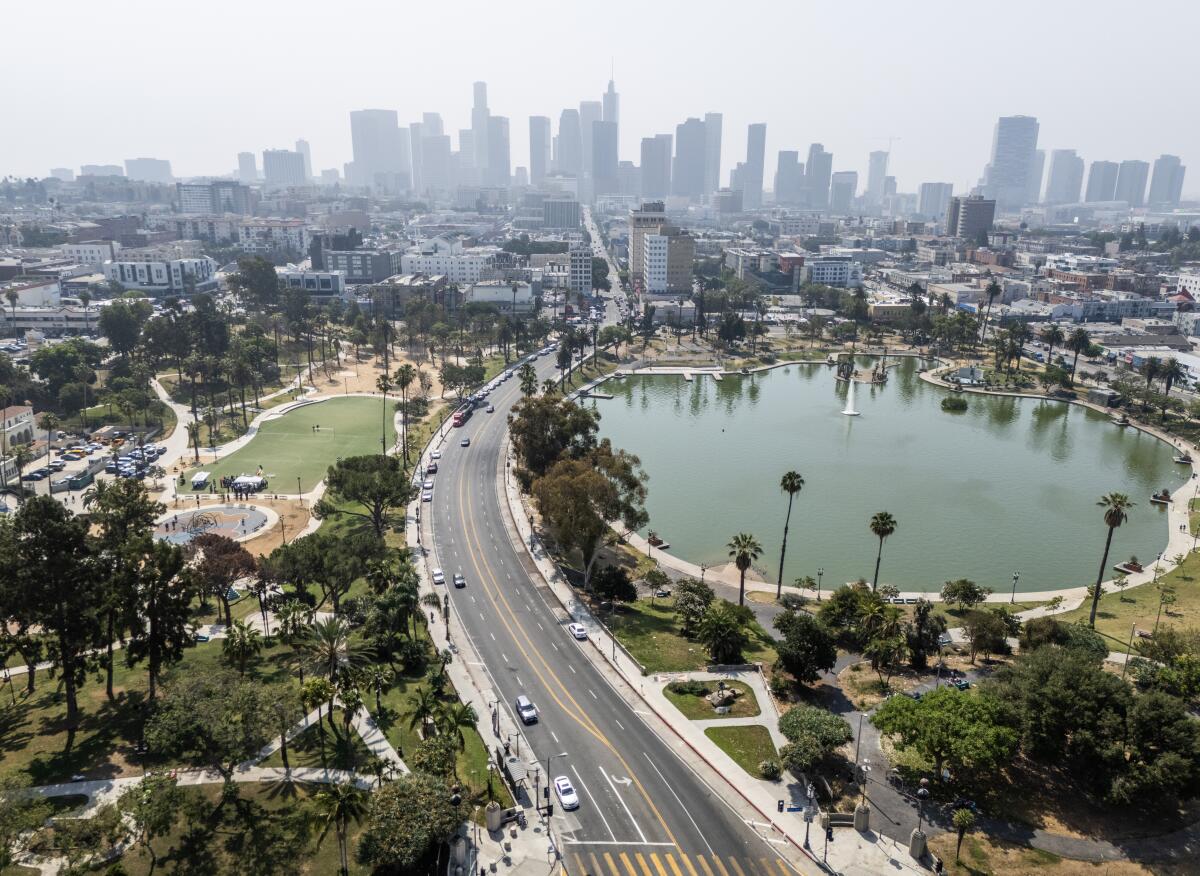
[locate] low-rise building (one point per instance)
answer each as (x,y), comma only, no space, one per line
(448,256)
(16,427)
(364,265)
(91,252)
(505,296)
(163,277)
(274,235)
(839,271)
(321,286)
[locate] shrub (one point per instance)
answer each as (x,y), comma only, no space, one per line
(792,601)
(781,687)
(770,770)
(689,688)
(954,405)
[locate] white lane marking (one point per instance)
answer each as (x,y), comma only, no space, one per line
(473,599)
(611,843)
(555,735)
(618,723)
(643,714)
(554,646)
(599,809)
(680,802)
(572,668)
(540,627)
(482,618)
(493,635)
(621,799)
(593,693)
(503,656)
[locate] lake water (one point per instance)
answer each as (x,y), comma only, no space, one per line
(1010,485)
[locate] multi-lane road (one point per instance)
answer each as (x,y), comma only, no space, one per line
(643,811)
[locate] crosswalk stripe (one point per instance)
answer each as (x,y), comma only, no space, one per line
(662,871)
(783,869)
(704,865)
(628,864)
(687,863)
(720,866)
(642,863)
(596,869)
(674,866)
(612,865)
(766,866)
(580,867)
(737,867)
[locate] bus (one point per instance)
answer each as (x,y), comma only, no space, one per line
(462,415)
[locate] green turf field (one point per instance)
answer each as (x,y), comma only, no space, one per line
(287,447)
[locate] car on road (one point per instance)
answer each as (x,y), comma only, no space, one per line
(526,710)
(961,683)
(56,465)
(432,468)
(428,485)
(427,496)
(466,442)
(491,409)
(459,581)
(578,631)
(437,454)
(439,577)
(566,793)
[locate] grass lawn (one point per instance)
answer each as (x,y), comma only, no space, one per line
(749,746)
(344,750)
(1119,612)
(651,634)
(699,709)
(287,448)
(982,856)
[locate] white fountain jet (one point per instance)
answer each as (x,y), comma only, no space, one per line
(850,412)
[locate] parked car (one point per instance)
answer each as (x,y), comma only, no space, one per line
(439,577)
(961,683)
(466,442)
(579,631)
(566,793)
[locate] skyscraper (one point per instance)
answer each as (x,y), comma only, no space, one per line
(156,170)
(876,174)
(817,174)
(604,157)
(1102,181)
(499,162)
(376,143)
(843,186)
(248,167)
(789,178)
(612,104)
(416,140)
(712,152)
(687,172)
(752,173)
(656,166)
(590,111)
(1166,186)
(1131,182)
(431,125)
(435,161)
(282,168)
(303,148)
(1066,177)
(1037,167)
(570,143)
(479,128)
(539,148)
(934,199)
(1014,146)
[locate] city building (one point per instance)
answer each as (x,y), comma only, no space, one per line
(590,112)
(667,255)
(539,148)
(480,129)
(360,266)
(447,256)
(304,149)
(1131,182)
(843,186)
(970,218)
(789,178)
(840,271)
(604,157)
(1066,177)
(63,173)
(164,277)
(506,296)
(1102,181)
(876,176)
(1166,186)
(570,144)
(649,218)
(579,274)
(274,235)
(687,171)
(247,167)
(561,214)
(818,171)
(321,286)
(16,427)
(1009,175)
(752,170)
(155,170)
(499,167)
(101,170)
(712,152)
(217,197)
(728,201)
(91,252)
(656,166)
(381,154)
(283,168)
(934,199)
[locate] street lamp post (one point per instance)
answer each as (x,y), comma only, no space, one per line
(1016,575)
(703,569)
(299,492)
(820,574)
(549,758)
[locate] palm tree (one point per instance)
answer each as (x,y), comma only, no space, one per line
(422,709)
(404,376)
(328,644)
(1170,371)
(378,679)
(1151,370)
(882,524)
(85,298)
(13,297)
(963,820)
(455,718)
(384,385)
(993,290)
(791,483)
(339,804)
(1051,335)
(1116,511)
(241,643)
(1078,342)
(49,422)
(528,377)
(744,549)
(193,430)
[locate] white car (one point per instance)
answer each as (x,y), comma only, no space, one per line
(428,485)
(427,496)
(566,793)
(578,631)
(437,454)
(439,577)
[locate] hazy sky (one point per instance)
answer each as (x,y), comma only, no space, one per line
(198,82)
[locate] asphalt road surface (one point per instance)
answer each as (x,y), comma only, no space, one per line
(642,811)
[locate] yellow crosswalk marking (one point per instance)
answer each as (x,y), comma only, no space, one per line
(580,867)
(662,871)
(783,868)
(687,863)
(612,865)
(720,866)
(596,869)
(704,865)
(628,864)
(737,868)
(642,863)
(674,866)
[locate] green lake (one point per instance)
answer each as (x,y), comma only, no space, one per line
(1010,485)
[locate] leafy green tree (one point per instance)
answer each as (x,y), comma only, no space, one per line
(952,729)
(1116,511)
(121,322)
(21,815)
(807,648)
(153,806)
(547,429)
(256,282)
(330,562)
(882,525)
(964,592)
(692,599)
(404,819)
(377,484)
(162,600)
(923,634)
(242,644)
(829,730)
(744,549)
(791,483)
(612,583)
(219,561)
(723,631)
(986,632)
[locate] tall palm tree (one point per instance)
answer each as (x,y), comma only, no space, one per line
(85,298)
(882,524)
(404,377)
(13,297)
(379,679)
(1116,511)
(744,549)
(528,378)
(193,430)
(328,643)
(422,708)
(993,290)
(1051,335)
(384,385)
(791,483)
(339,804)
(241,643)
(1170,372)
(1078,342)
(49,422)
(456,717)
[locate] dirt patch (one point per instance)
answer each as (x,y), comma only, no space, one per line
(293,516)
(982,856)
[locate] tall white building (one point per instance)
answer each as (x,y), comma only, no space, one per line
(1166,186)
(1065,183)
(876,176)
(155,170)
(247,167)
(283,168)
(712,152)
(1131,182)
(580,274)
(539,148)
(304,149)
(1008,176)
(934,199)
